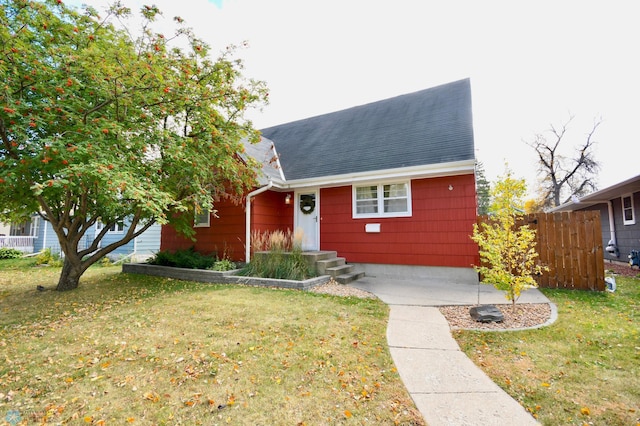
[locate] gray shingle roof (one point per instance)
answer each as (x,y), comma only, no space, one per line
(263,152)
(428,127)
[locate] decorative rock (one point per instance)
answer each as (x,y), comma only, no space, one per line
(486,313)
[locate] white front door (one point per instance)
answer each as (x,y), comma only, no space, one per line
(308,219)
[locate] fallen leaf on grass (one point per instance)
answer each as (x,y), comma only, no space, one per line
(151,396)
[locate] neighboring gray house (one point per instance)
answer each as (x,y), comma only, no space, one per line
(619,207)
(37,235)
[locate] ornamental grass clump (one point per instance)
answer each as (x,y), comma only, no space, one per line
(507,250)
(278,254)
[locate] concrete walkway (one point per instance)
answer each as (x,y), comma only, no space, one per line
(446,386)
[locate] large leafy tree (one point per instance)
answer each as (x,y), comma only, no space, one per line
(100,121)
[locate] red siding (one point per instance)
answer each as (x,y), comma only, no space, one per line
(437,234)
(226,235)
(221,238)
(270,212)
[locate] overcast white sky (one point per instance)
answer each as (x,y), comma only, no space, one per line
(531,64)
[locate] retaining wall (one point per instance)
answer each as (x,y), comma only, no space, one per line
(226,277)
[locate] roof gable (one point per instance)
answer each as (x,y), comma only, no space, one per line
(264,152)
(428,127)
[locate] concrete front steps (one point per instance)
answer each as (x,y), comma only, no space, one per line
(328,263)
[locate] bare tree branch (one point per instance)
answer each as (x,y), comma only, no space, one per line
(562,177)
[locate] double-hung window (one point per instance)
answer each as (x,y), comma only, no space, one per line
(628,213)
(382,200)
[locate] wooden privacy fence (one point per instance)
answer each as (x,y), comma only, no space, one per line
(570,245)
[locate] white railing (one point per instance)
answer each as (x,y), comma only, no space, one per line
(24,244)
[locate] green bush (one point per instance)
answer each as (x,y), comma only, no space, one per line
(183,259)
(46,257)
(10,253)
(223,265)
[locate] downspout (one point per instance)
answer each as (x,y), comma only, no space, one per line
(247,222)
(135,248)
(612,227)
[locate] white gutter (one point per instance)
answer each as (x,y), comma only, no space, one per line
(413,172)
(247,221)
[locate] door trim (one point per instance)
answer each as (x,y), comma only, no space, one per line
(316,213)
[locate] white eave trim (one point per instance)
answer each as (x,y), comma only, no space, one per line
(414,172)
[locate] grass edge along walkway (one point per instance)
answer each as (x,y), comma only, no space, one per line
(583,369)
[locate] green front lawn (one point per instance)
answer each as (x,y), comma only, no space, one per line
(582,370)
(147,350)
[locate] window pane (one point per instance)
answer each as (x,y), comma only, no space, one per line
(395,190)
(395,198)
(626,202)
(116,227)
(628,214)
(202,219)
(395,206)
(369,206)
(366,193)
(366,199)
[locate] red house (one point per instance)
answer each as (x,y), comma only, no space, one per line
(386,183)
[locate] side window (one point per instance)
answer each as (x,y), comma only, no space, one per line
(35,226)
(202,219)
(116,228)
(628,211)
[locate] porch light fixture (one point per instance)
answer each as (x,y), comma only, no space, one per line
(450,187)
(287,199)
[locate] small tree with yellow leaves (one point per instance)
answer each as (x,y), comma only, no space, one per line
(507,250)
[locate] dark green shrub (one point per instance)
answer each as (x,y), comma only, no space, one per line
(10,253)
(189,258)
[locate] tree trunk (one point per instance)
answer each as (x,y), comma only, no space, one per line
(70,275)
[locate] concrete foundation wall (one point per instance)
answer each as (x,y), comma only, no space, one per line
(451,275)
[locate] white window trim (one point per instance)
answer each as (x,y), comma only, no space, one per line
(381,212)
(35,226)
(119,228)
(633,210)
(205,224)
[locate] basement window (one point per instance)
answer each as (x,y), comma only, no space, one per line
(628,212)
(382,200)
